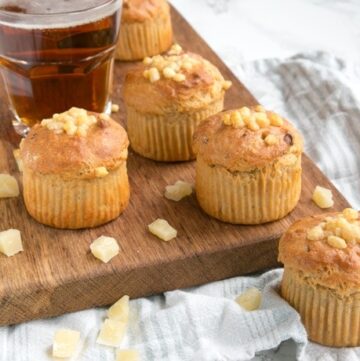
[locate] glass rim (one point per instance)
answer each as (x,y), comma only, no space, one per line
(23,18)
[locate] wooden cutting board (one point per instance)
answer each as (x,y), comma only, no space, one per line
(57,274)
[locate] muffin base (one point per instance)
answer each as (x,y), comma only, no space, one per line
(330,319)
(167,137)
(76,203)
(261,196)
(138,40)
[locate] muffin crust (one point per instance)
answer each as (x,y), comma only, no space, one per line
(318,261)
(203,85)
(142,10)
(240,149)
(105,145)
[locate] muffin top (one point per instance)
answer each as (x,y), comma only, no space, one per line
(75,144)
(142,10)
(325,248)
(177,81)
(245,139)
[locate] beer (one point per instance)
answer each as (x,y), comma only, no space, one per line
(57,54)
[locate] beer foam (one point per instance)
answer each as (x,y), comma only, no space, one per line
(50,14)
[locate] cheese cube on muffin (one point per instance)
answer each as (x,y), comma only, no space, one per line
(74,170)
(321,280)
(166,98)
(248,168)
(146,29)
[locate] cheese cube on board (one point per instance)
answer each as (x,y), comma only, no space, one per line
(111,333)
(8,186)
(178,191)
(323,197)
(127,355)
(105,248)
(10,242)
(162,229)
(65,343)
(250,300)
(120,310)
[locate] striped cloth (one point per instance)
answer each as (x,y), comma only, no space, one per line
(319,94)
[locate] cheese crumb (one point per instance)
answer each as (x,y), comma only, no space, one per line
(316,233)
(147,60)
(8,186)
(271,140)
(115,108)
(236,120)
(351,214)
(178,191)
(162,229)
(323,197)
(127,355)
(65,343)
(259,108)
(105,248)
(18,159)
(169,72)
(174,65)
(154,75)
(250,300)
(120,310)
(227,84)
(262,119)
(179,77)
(176,49)
(101,172)
(10,242)
(254,119)
(336,242)
(111,333)
(276,120)
(75,121)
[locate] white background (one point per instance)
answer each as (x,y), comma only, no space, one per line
(254,29)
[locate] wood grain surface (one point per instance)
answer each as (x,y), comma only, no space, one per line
(57,274)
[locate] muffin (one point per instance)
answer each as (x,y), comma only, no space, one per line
(74,170)
(166,98)
(321,280)
(248,167)
(146,29)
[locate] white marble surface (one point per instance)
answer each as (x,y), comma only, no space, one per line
(254,29)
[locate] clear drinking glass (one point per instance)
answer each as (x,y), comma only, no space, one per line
(57,54)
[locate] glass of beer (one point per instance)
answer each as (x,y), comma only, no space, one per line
(56,54)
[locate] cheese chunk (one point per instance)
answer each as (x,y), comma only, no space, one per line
(111,333)
(115,108)
(101,172)
(323,197)
(65,343)
(10,242)
(8,186)
(162,229)
(250,300)
(105,248)
(315,234)
(178,191)
(18,159)
(120,310)
(127,355)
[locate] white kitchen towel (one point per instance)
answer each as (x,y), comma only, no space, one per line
(320,94)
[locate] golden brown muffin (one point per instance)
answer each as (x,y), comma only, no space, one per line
(146,29)
(74,170)
(248,168)
(166,98)
(321,280)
